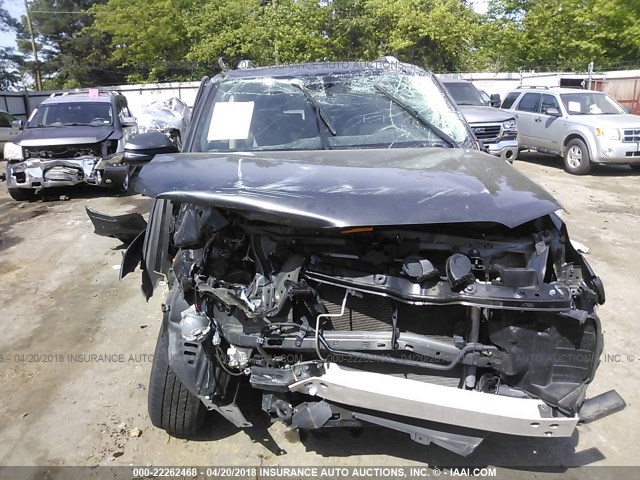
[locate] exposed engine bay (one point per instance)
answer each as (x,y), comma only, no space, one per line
(71,151)
(488,313)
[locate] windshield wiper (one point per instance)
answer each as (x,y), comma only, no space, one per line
(320,115)
(415,114)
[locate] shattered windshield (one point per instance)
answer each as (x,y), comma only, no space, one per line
(368,109)
(590,104)
(93,114)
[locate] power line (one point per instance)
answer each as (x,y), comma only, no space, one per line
(79,12)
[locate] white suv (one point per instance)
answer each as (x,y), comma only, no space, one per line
(582,126)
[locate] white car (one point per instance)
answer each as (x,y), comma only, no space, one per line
(585,127)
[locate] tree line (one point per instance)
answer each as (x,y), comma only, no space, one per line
(104,42)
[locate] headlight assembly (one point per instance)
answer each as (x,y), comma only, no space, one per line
(608,133)
(510,125)
(12,152)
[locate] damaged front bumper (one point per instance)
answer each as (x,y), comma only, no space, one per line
(505,149)
(39,173)
(455,419)
(438,403)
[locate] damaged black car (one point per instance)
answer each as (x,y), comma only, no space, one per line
(333,237)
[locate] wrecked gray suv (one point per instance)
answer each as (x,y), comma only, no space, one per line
(73,139)
(333,238)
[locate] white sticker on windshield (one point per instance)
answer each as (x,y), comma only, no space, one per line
(230,121)
(574,107)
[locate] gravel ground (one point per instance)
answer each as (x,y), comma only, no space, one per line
(61,303)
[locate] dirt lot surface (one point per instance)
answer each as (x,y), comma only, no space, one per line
(75,349)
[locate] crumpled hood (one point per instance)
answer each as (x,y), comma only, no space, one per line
(473,114)
(35,137)
(349,188)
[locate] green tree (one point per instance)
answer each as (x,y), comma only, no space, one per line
(296,30)
(352,31)
(440,34)
(616,31)
(229,28)
(68,56)
(267,32)
(147,37)
(563,34)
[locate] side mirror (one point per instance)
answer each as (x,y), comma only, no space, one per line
(142,148)
(495,100)
(129,122)
(19,124)
(552,111)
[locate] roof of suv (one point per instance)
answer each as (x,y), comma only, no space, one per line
(554,90)
(78,99)
(323,68)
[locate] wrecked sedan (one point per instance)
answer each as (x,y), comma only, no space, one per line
(335,239)
(72,139)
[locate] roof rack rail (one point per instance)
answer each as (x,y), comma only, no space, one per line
(84,91)
(388,59)
(535,87)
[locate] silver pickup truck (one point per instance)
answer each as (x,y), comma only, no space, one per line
(585,127)
(495,128)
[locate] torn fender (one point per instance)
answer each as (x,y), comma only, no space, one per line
(147,245)
(123,227)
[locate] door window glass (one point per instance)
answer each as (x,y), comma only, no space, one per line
(529,102)
(548,101)
(508,101)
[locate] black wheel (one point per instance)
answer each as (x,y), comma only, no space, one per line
(22,194)
(171,406)
(576,158)
(635,167)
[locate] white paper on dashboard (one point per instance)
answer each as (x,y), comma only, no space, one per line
(230,121)
(574,107)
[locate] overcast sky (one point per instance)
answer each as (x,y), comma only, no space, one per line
(16,9)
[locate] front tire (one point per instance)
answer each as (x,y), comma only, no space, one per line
(577,160)
(171,406)
(635,168)
(22,194)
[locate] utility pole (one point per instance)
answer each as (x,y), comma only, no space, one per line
(274,11)
(34,48)
(275,37)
